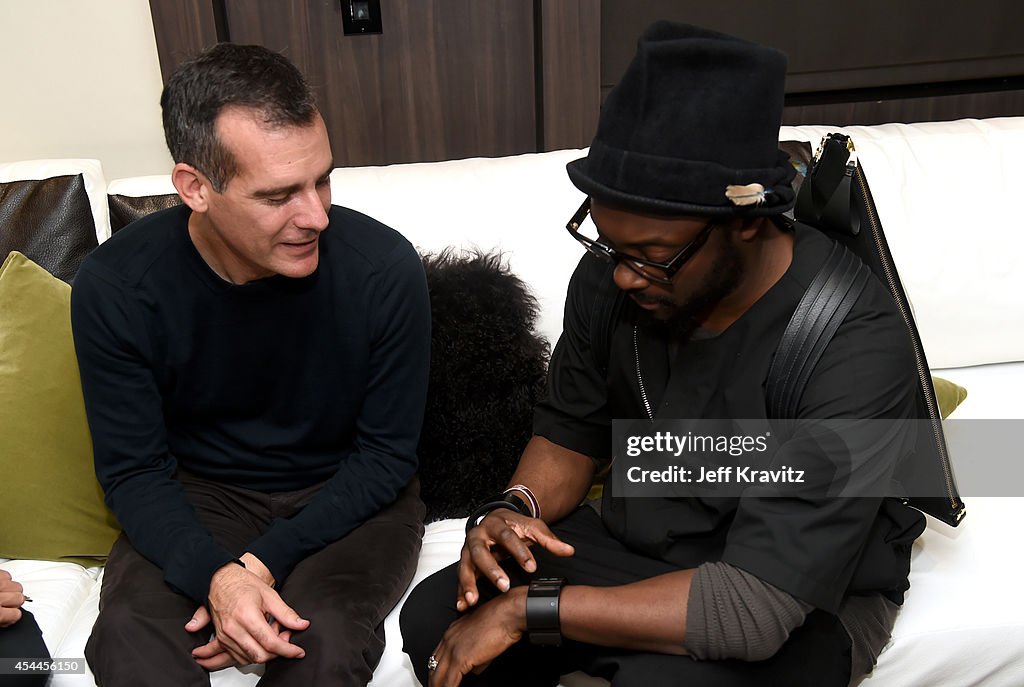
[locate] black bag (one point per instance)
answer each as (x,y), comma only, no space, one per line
(836,199)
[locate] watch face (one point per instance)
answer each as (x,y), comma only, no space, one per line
(547,583)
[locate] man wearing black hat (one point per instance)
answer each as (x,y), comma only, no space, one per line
(686,190)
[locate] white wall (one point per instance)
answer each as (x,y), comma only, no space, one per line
(81,78)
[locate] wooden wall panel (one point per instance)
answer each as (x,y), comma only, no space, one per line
(446,78)
(908,110)
(835,47)
(570,57)
(183,28)
(834,44)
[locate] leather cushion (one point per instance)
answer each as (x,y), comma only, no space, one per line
(126,209)
(50,221)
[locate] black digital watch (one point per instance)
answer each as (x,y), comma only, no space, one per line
(543,626)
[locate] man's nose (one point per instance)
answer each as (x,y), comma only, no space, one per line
(628,279)
(313,211)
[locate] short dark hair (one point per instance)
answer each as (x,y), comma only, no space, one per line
(229,75)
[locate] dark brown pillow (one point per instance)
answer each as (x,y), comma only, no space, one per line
(48,220)
(126,209)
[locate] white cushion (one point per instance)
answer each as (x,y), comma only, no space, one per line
(137,187)
(945,194)
(961,623)
(993,391)
(518,205)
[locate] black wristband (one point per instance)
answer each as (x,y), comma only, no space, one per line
(543,625)
(510,501)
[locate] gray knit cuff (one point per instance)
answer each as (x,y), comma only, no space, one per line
(733,614)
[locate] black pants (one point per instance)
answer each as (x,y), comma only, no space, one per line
(23,640)
(817,654)
(345,591)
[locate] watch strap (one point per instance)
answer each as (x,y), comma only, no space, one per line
(543,625)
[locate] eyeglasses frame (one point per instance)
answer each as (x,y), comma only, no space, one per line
(633,262)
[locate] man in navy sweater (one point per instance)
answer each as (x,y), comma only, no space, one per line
(254,364)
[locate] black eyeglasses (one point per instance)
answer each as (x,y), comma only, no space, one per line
(665,270)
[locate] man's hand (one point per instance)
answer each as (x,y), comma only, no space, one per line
(476,639)
(11,599)
(212,655)
(241,601)
(502,532)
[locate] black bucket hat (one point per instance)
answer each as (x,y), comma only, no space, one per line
(692,129)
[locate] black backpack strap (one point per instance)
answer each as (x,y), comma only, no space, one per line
(607,305)
(823,307)
(826,303)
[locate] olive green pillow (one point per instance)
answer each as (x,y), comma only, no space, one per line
(948,394)
(51,506)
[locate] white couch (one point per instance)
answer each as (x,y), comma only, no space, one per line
(945,193)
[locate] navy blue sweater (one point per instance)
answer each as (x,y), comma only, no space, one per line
(274,385)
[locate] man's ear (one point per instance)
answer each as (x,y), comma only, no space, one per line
(192,185)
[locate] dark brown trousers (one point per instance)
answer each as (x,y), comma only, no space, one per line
(345,591)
